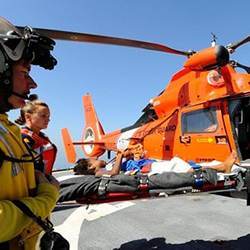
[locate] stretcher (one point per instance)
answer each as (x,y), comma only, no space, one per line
(93,190)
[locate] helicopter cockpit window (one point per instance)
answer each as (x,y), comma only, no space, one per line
(204,120)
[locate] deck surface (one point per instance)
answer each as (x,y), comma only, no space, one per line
(191,221)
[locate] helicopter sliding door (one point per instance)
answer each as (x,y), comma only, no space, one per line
(202,135)
(239,111)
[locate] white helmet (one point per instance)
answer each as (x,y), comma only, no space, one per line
(16,45)
(8,32)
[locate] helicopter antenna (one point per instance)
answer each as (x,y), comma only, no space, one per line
(214,38)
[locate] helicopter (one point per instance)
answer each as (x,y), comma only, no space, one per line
(201,115)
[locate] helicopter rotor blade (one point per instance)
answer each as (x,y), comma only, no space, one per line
(233,46)
(83,37)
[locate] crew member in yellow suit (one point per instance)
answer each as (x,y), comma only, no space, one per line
(18,179)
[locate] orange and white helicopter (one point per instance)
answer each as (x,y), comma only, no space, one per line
(202,114)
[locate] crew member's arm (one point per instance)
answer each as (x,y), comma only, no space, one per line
(117,166)
(12,219)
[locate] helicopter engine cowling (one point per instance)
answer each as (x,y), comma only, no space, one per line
(208,59)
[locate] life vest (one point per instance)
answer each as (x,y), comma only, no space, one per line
(41,144)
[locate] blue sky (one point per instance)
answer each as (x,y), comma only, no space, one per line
(121,80)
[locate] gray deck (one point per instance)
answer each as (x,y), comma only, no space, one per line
(191,221)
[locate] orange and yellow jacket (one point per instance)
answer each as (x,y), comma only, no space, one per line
(18,182)
(42,146)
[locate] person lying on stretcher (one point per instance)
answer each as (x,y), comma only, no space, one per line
(135,162)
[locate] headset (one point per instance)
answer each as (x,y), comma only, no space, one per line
(15,45)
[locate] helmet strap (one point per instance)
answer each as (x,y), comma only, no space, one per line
(6,84)
(25,97)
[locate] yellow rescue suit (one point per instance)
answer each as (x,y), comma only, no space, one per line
(17,181)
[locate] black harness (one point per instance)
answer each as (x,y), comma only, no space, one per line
(4,246)
(4,157)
